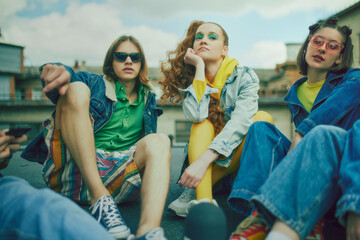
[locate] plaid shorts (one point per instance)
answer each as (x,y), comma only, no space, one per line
(117,169)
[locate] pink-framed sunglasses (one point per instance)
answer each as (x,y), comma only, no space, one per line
(332,45)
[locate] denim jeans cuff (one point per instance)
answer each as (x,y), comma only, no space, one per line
(347,203)
(271,213)
(239,201)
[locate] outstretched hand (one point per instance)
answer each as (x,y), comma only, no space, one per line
(55,76)
(9,144)
(194,173)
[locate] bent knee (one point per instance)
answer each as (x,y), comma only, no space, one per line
(204,126)
(156,141)
(263,116)
(328,131)
(77,96)
(261,127)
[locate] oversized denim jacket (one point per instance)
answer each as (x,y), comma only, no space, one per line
(238,100)
(337,103)
(102,105)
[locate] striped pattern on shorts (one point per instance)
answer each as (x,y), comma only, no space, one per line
(117,169)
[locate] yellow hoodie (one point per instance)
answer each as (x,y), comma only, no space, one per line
(226,69)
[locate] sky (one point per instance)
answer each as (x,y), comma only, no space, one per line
(69,30)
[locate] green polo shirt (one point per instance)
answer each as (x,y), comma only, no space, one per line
(125,126)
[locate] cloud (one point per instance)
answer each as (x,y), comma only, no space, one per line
(265,54)
(83,32)
(158,9)
(8,8)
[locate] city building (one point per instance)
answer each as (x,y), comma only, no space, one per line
(22,100)
(351,17)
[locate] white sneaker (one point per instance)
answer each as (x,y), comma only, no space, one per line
(154,234)
(107,213)
(195,202)
(178,207)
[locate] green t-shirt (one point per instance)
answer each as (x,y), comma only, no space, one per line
(125,126)
(307,93)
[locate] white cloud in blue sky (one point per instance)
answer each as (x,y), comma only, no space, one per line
(65,31)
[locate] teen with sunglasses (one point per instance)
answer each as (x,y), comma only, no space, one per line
(102,142)
(329,94)
(220,98)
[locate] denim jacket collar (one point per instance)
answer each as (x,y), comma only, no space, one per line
(327,87)
(291,96)
(110,88)
(298,111)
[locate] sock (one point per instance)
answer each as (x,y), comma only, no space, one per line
(274,235)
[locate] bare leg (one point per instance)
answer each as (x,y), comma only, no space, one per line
(152,157)
(283,228)
(72,117)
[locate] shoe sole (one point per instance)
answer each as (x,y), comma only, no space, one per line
(122,235)
(173,212)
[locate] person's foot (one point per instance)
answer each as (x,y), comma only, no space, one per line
(154,234)
(317,232)
(107,213)
(253,227)
(178,207)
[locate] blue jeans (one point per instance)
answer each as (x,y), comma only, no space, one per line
(29,213)
(264,148)
(322,170)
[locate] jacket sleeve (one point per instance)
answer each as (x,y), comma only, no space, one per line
(241,118)
(196,111)
(80,76)
(340,102)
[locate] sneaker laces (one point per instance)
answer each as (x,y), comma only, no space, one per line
(188,194)
(112,215)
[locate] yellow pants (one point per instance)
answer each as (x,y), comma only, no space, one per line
(200,138)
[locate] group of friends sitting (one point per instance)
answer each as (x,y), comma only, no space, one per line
(100,146)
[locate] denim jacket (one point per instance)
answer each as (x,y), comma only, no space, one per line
(102,105)
(238,100)
(337,103)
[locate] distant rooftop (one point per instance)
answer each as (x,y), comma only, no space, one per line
(154,73)
(10,44)
(348,10)
(265,74)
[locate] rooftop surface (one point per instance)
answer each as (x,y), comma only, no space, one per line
(173,226)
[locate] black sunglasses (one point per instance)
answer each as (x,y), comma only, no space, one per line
(121,56)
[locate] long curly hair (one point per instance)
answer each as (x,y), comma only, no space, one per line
(178,74)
